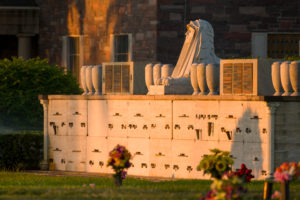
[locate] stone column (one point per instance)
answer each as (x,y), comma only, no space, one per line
(24,46)
(44,163)
(271,110)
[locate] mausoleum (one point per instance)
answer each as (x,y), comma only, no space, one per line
(250,107)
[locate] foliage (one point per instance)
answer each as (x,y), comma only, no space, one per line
(292,58)
(216,164)
(287,172)
(20,84)
(244,173)
(20,151)
(230,187)
(119,160)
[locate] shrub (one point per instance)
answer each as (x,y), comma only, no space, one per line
(20,151)
(20,84)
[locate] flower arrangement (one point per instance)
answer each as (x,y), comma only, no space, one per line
(244,173)
(227,185)
(287,172)
(276,195)
(230,187)
(216,164)
(119,160)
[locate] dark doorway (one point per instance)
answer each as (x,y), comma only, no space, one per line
(8,46)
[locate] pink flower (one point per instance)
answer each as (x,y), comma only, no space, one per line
(92,185)
(276,195)
(282,177)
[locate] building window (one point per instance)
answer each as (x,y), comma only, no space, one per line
(282,45)
(121,47)
(275,45)
(73,54)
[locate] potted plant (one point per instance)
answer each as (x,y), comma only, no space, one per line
(119,160)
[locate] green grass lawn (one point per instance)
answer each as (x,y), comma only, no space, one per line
(14,185)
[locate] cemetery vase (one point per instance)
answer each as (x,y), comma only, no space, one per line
(148,75)
(88,79)
(194,81)
(156,74)
(285,190)
(97,79)
(82,80)
(166,71)
(212,78)
(118,180)
(294,70)
(201,78)
(268,186)
(275,68)
(285,78)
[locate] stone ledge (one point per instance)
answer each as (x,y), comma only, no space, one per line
(174,97)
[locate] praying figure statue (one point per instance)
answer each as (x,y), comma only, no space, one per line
(198,47)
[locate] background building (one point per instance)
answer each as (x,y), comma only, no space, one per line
(84,32)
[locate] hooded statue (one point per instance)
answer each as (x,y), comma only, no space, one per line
(198,47)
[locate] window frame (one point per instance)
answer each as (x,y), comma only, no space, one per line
(112,47)
(66,54)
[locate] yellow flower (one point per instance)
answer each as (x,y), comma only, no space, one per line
(221,166)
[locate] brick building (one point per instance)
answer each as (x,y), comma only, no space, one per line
(84,32)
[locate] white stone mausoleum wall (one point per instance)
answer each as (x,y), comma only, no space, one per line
(168,135)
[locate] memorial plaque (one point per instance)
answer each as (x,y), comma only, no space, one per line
(237,78)
(108,79)
(125,79)
(117,78)
(248,78)
(227,78)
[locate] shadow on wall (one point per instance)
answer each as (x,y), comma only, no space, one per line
(247,143)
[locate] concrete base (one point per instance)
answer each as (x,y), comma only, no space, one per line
(165,90)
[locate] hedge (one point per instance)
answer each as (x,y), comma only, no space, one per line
(21,151)
(20,84)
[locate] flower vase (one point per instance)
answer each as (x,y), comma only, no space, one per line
(156,74)
(118,180)
(201,77)
(97,79)
(294,70)
(194,81)
(212,78)
(88,80)
(285,78)
(275,68)
(149,75)
(83,81)
(268,185)
(285,190)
